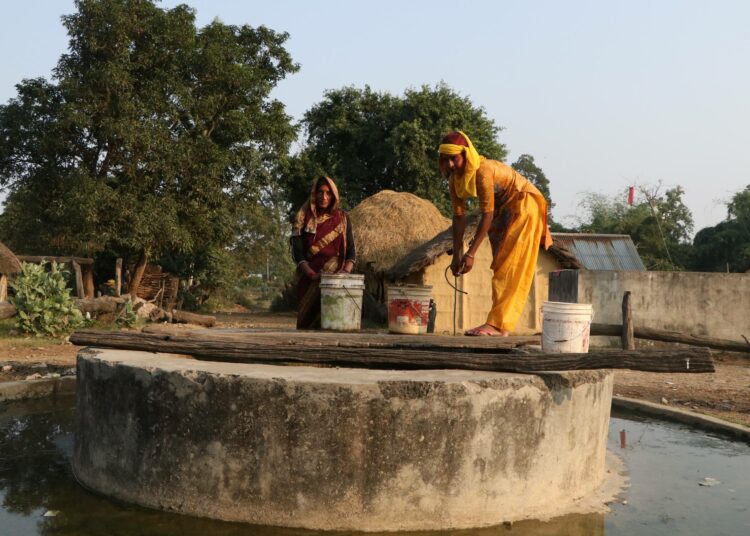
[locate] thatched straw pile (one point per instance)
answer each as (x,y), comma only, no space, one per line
(9,263)
(389,224)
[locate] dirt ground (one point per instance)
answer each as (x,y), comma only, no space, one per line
(724,394)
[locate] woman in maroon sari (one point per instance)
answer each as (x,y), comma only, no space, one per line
(322,242)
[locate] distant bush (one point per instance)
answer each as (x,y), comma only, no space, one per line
(286,299)
(127,317)
(43,301)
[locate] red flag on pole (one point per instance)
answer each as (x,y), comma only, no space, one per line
(631,194)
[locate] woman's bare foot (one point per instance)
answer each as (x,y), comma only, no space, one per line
(488,330)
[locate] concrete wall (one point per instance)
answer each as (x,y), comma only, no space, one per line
(714,304)
(340,448)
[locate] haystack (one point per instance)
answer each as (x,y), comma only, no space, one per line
(390,224)
(9,263)
(386,227)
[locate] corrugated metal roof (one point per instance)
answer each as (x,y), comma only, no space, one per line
(602,251)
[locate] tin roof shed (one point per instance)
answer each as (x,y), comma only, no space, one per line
(602,251)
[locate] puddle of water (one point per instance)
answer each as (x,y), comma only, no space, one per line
(665,462)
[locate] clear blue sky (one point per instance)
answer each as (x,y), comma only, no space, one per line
(602,94)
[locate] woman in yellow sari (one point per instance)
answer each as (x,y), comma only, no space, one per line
(513,217)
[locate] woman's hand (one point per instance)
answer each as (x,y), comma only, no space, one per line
(462,264)
(467,262)
(309,272)
(456,265)
(347,268)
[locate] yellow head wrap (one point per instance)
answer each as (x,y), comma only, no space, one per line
(465,185)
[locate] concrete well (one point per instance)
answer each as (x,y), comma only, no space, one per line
(347,449)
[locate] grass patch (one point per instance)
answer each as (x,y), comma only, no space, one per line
(10,335)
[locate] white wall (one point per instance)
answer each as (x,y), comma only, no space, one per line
(712,304)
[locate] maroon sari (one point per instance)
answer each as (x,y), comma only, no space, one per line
(324,239)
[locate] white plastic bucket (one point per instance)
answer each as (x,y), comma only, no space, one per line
(341,301)
(566,327)
(408,308)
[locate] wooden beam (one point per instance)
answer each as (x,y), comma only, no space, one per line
(3,287)
(36,259)
(319,338)
(615,330)
(628,339)
(79,279)
(682,360)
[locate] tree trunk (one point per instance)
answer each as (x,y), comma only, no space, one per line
(628,340)
(88,281)
(140,268)
(183,317)
(681,360)
(118,276)
(672,336)
(104,304)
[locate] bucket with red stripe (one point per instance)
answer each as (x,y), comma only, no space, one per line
(408,308)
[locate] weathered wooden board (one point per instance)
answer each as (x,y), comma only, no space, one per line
(252,350)
(362,339)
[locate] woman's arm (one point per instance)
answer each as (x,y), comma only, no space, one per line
(483,226)
(459,227)
(486,198)
(298,254)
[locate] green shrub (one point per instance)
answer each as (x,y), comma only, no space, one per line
(43,301)
(127,317)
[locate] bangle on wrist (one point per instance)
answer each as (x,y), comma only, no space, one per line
(469,255)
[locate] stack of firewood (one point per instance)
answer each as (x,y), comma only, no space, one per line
(159,287)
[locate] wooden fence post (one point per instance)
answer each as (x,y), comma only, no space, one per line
(79,278)
(628,336)
(3,288)
(118,277)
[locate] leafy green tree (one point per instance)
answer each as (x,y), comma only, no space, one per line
(660,225)
(726,246)
(151,139)
(526,166)
(369,141)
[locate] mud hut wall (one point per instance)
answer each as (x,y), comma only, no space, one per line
(472,308)
(442,294)
(709,304)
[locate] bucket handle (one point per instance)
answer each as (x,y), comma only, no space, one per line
(352,297)
(583,331)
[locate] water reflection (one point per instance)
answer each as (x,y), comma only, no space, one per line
(35,478)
